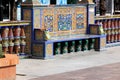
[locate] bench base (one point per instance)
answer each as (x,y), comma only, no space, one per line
(61,45)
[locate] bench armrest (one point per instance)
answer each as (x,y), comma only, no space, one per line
(96,29)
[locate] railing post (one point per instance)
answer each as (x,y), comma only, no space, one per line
(109,24)
(22,43)
(16,39)
(4,36)
(11,38)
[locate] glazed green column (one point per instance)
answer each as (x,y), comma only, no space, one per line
(64,47)
(78,45)
(57,48)
(85,45)
(91,44)
(71,47)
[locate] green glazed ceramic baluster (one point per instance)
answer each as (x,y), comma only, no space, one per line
(57,48)
(72,46)
(78,46)
(65,47)
(91,44)
(85,45)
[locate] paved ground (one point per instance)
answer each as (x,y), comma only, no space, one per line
(90,65)
(106,72)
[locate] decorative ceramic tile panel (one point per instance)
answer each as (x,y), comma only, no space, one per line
(49,50)
(38,50)
(38,35)
(79,21)
(48,18)
(94,30)
(28,39)
(73,18)
(61,15)
(27,14)
(37,18)
(63,19)
(91,16)
(63,10)
(103,42)
(81,17)
(64,22)
(48,22)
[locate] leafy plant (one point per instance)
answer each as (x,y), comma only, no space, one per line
(1,53)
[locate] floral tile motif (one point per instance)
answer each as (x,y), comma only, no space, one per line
(48,23)
(79,21)
(64,22)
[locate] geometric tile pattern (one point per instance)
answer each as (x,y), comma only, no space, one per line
(61,19)
(49,50)
(64,22)
(102,42)
(36,18)
(38,50)
(27,14)
(48,23)
(79,21)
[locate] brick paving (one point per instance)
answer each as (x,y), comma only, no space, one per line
(105,72)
